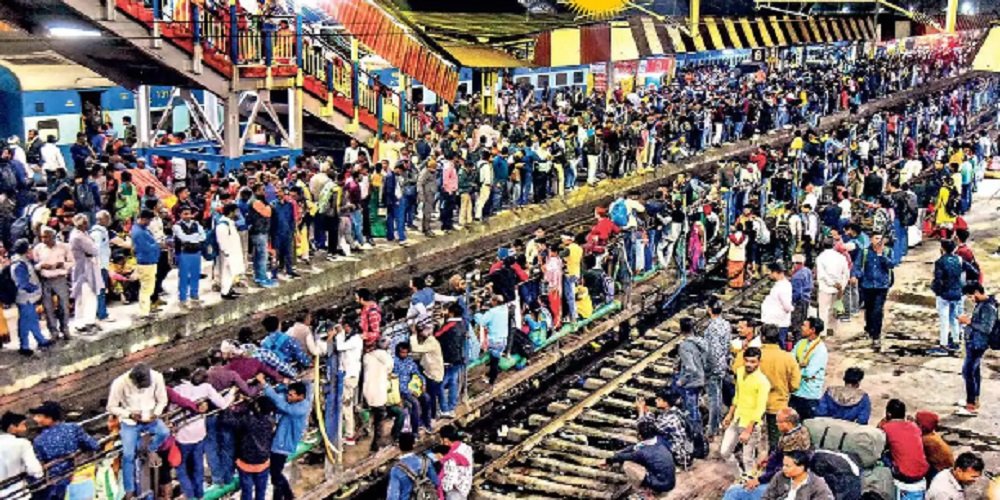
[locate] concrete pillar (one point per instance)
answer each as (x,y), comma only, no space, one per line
(295,103)
(142,118)
(231,127)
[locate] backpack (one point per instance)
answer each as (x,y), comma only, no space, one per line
(840,472)
(763,234)
(423,488)
(908,209)
(782,231)
(8,288)
(84,196)
(951,206)
(21,227)
(993,340)
(862,441)
(8,179)
(619,213)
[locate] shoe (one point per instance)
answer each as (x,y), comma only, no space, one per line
(876,345)
(967,411)
(294,274)
(26,352)
(196,302)
(938,352)
(953,347)
(230,296)
(367,246)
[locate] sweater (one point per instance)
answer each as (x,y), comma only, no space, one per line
(431,361)
(845,403)
(692,353)
(905,444)
(782,372)
(654,456)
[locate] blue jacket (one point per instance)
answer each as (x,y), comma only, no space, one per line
(873,270)
(802,285)
(400,484)
(292,419)
(656,459)
(282,221)
(984,317)
(948,277)
(501,169)
(389,190)
(845,403)
(147,250)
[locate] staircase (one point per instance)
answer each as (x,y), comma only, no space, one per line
(213,45)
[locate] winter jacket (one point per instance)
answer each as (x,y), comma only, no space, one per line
(845,403)
(692,353)
(282,221)
(147,250)
(874,270)
(654,456)
(984,317)
(815,488)
(948,277)
(254,435)
(292,418)
(451,336)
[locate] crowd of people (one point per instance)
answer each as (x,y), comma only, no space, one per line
(828,216)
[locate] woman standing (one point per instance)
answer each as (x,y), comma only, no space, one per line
(737,257)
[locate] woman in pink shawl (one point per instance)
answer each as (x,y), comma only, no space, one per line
(455,471)
(696,248)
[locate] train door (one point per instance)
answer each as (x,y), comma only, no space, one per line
(91,113)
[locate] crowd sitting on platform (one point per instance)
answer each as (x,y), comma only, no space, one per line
(820,204)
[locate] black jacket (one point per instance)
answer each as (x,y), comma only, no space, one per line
(451,336)
(254,433)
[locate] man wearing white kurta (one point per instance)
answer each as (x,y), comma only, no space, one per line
(87,279)
(230,250)
(832,273)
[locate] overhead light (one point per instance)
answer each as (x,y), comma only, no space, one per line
(967,8)
(66,32)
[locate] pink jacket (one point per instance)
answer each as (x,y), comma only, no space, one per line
(449,181)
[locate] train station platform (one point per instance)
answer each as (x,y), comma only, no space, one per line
(83,367)
(88,363)
(903,369)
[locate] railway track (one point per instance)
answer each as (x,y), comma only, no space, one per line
(561,448)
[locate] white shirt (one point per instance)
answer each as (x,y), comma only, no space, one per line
(777,306)
(20,155)
(179,166)
(17,457)
(845,208)
(52,157)
(125,398)
(350,353)
(831,269)
(945,487)
(194,431)
(634,207)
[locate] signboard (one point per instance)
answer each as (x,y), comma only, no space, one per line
(624,75)
(599,75)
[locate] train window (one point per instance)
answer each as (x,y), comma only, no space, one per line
(417,95)
(39,107)
(463,89)
(562,79)
(522,80)
(543,81)
(48,127)
(578,77)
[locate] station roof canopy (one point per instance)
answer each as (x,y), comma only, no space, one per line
(482,56)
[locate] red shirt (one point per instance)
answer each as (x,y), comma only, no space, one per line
(603,230)
(371,323)
(966,254)
(906,445)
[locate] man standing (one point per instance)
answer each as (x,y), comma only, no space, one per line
(189,238)
(395,205)
(293,411)
(717,337)
(811,355)
(54,261)
(873,275)
(147,256)
(283,233)
(449,193)
(746,414)
(138,399)
(230,250)
(573,257)
(350,347)
(776,309)
(978,329)
(259,219)
(802,286)
(17,457)
(29,290)
(832,274)
(690,378)
(427,188)
(947,287)
(55,445)
(466,191)
(496,321)
(88,281)
(191,436)
(452,337)
(784,378)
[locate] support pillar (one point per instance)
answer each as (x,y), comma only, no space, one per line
(404,92)
(110,10)
(231,145)
(355,75)
(142,119)
(488,102)
(295,101)
(951,17)
(694,18)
